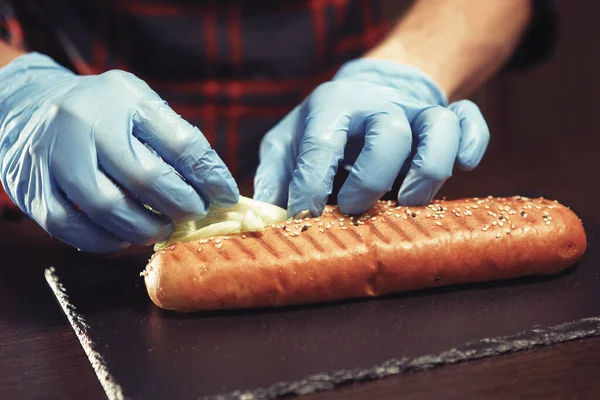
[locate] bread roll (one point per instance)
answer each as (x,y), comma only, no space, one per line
(390,249)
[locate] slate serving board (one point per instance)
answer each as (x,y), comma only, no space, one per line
(142,352)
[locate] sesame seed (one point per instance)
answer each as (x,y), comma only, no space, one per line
(374,219)
(547,222)
(545,212)
(344,227)
(317,219)
(243,236)
(304,228)
(494,223)
(404,217)
(306,219)
(199,249)
(414,214)
(383,220)
(538,207)
(218,241)
(428,215)
(321,230)
(397,215)
(211,238)
(438,223)
(203,241)
(341,219)
(497,235)
(219,245)
(475,206)
(285,235)
(508,231)
(320,224)
(513,226)
(328,226)
(500,223)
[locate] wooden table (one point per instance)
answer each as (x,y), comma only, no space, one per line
(40,356)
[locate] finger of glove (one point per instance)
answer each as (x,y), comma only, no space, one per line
(320,151)
(277,160)
(61,220)
(387,145)
(75,169)
(144,174)
(185,148)
(437,132)
(475,135)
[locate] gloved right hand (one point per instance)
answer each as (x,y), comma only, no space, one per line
(81,155)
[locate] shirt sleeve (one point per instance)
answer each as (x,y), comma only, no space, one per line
(539,41)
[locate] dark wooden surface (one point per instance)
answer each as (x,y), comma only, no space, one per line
(545,135)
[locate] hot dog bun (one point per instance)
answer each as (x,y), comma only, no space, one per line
(390,249)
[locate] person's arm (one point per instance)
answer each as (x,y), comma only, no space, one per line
(459,43)
(8,53)
(84,156)
(393,113)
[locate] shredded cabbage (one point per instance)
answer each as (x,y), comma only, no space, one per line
(246,216)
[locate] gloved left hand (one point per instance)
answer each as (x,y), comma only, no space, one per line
(388,109)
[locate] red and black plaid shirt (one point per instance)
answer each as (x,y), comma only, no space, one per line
(233,68)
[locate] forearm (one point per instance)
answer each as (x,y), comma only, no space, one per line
(459,43)
(8,53)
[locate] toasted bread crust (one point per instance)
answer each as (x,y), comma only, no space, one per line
(390,249)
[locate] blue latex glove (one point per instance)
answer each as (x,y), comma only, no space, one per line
(81,155)
(392,114)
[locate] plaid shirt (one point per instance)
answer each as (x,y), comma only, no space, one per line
(233,68)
